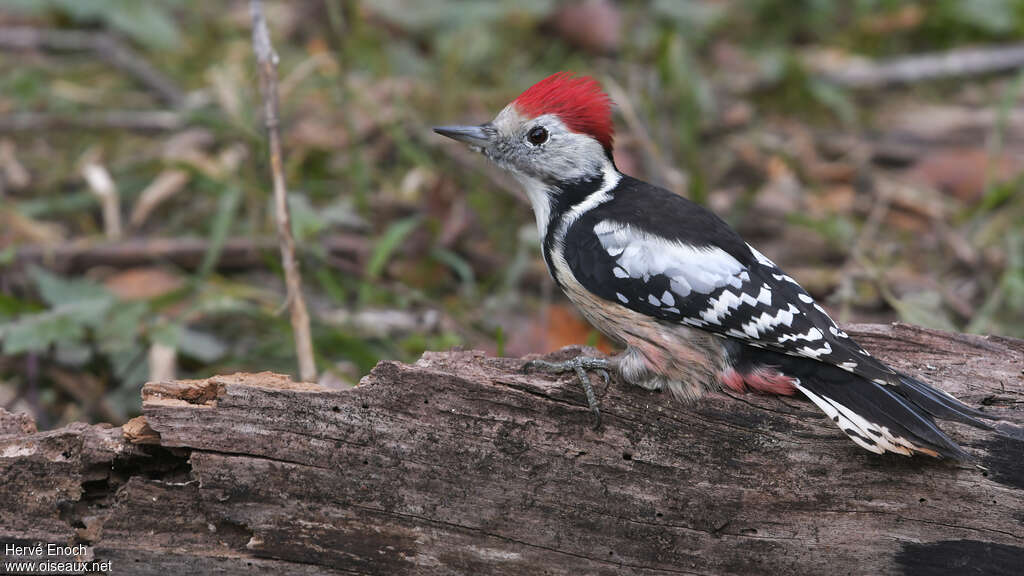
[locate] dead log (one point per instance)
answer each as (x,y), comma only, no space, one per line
(462,464)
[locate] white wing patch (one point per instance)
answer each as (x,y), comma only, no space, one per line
(689,268)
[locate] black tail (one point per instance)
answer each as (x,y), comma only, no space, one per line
(940,404)
(879,417)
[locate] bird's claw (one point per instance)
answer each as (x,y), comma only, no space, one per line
(579,365)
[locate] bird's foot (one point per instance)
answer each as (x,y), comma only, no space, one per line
(579,365)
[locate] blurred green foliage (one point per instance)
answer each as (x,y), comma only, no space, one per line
(360,84)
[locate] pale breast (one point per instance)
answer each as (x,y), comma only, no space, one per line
(686,360)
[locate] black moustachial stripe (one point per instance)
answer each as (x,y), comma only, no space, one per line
(564,196)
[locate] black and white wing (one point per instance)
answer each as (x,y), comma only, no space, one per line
(682,264)
(742,295)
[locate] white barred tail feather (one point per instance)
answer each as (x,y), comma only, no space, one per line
(878,417)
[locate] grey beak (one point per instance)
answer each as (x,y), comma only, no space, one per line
(472,135)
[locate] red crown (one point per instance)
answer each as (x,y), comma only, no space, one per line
(578,101)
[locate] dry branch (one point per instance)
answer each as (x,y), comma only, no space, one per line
(347,251)
(960,63)
(106,47)
(267,60)
(462,464)
(135,120)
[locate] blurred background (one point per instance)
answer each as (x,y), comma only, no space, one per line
(870,147)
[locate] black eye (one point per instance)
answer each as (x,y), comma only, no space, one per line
(537,136)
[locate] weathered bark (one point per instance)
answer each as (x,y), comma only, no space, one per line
(463,464)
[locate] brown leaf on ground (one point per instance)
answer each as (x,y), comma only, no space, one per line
(565,327)
(593,25)
(832,200)
(905,18)
(964,172)
(914,198)
(143,283)
(15,227)
(163,187)
(15,175)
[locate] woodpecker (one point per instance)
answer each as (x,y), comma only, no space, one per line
(695,307)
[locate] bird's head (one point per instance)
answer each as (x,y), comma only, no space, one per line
(559,130)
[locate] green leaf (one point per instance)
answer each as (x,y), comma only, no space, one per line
(37,332)
(201,346)
(461,267)
(195,344)
(227,207)
(57,291)
(73,354)
(11,306)
(992,16)
(148,22)
(387,244)
(7,255)
(121,326)
(924,309)
(307,221)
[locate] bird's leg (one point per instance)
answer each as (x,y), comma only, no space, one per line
(579,365)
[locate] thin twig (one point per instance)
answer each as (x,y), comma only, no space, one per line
(102,186)
(107,47)
(347,252)
(959,63)
(137,120)
(267,60)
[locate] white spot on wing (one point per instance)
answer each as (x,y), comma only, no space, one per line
(767,322)
(620,273)
(680,286)
(726,301)
(785,277)
(811,335)
(668,299)
(622,298)
(839,333)
(805,298)
(815,352)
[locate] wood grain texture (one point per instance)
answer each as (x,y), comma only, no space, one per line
(462,464)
